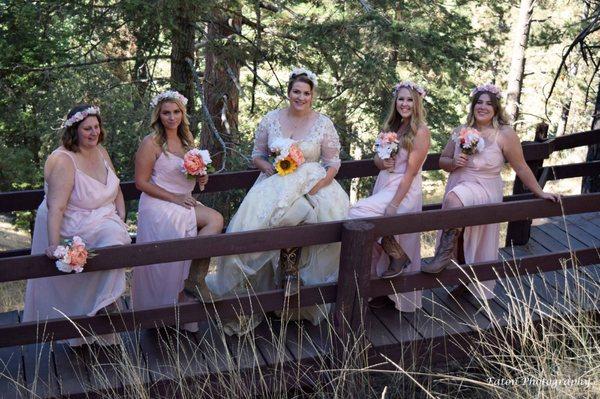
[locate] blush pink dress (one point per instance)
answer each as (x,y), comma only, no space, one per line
(480,183)
(160,284)
(90,214)
(385,188)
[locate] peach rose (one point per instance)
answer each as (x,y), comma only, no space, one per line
(193,164)
(390,137)
(78,255)
(296,154)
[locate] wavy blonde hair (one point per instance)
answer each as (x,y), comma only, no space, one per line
(183,130)
(499,118)
(394,119)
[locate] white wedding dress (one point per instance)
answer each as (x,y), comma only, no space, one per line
(278,201)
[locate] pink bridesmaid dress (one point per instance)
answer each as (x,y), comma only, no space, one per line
(480,183)
(90,214)
(160,284)
(385,188)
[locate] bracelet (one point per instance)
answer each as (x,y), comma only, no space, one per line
(393,206)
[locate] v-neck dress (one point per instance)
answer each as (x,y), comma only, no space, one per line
(92,215)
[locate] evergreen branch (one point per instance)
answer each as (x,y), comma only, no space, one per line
(19,68)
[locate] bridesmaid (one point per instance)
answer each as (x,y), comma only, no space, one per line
(475,180)
(167,209)
(82,198)
(400,191)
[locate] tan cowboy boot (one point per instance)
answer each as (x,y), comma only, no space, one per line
(444,252)
(194,283)
(398,258)
(288,261)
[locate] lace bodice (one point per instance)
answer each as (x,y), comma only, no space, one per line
(321,143)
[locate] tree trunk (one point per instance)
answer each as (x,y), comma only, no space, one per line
(221,82)
(591,184)
(183,39)
(517,64)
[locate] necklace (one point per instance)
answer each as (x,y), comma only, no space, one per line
(297,122)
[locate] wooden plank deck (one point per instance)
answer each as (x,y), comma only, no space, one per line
(438,332)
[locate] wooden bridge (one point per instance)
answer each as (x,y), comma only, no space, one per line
(551,271)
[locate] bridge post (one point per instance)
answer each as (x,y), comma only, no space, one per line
(518,232)
(353,282)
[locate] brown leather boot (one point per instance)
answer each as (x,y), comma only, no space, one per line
(194,283)
(444,252)
(398,258)
(288,261)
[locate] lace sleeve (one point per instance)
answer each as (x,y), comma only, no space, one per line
(330,146)
(261,140)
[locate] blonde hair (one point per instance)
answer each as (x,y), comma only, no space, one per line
(394,119)
(499,118)
(183,130)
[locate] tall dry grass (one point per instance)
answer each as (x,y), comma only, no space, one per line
(515,356)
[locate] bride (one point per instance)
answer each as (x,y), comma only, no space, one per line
(287,197)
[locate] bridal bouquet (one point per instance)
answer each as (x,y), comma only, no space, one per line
(288,155)
(469,140)
(387,145)
(72,256)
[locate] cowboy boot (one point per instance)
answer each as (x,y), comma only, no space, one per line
(194,283)
(288,261)
(398,258)
(444,252)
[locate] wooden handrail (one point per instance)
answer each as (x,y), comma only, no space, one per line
(54,329)
(121,256)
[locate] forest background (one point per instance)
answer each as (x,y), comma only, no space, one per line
(232,59)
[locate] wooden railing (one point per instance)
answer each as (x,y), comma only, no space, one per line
(356,237)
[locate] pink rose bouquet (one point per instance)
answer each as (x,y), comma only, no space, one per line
(195,163)
(387,144)
(72,256)
(469,140)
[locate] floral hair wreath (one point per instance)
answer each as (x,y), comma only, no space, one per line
(169,94)
(303,71)
(410,85)
(81,115)
(489,87)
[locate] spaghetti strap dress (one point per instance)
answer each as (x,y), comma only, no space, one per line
(160,284)
(92,215)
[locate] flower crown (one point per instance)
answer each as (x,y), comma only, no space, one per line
(81,115)
(489,87)
(410,85)
(169,94)
(309,74)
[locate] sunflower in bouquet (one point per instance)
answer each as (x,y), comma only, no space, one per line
(288,156)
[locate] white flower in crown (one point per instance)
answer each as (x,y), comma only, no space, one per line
(169,94)
(309,74)
(81,115)
(489,87)
(410,85)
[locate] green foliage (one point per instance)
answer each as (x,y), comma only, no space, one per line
(54,55)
